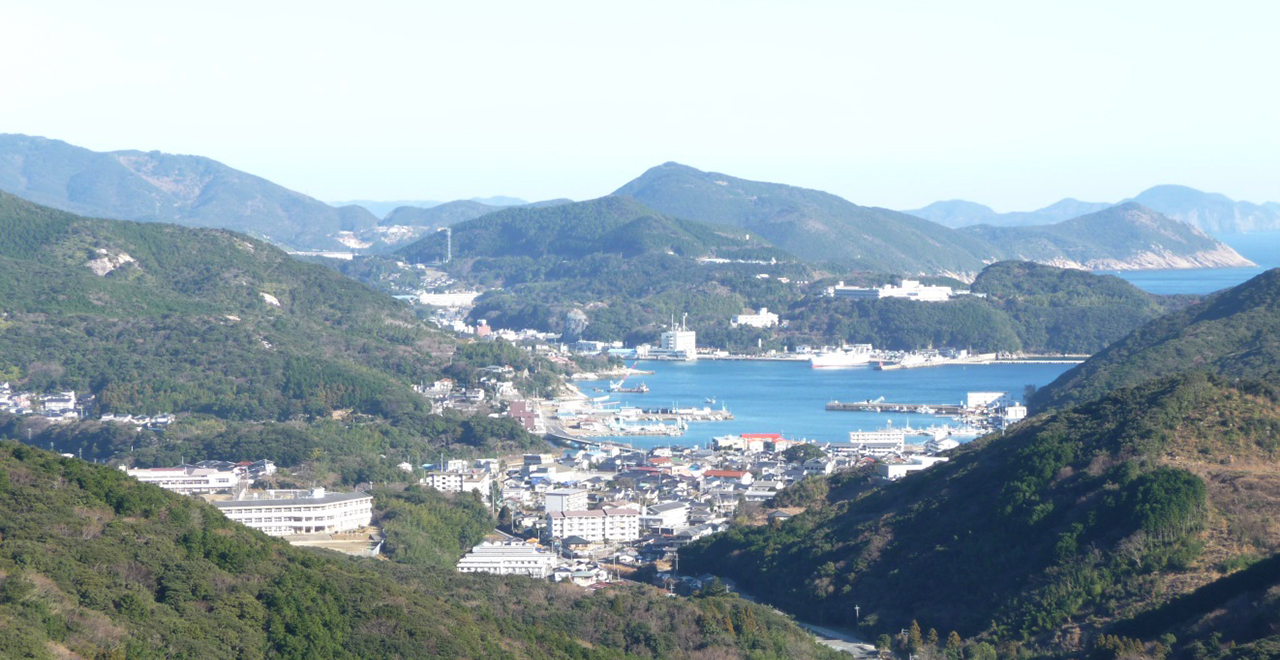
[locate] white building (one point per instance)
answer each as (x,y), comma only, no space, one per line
(188,479)
(1014,413)
(938,445)
(984,399)
(62,402)
(306,512)
(510,558)
(909,289)
(679,343)
(897,469)
(596,525)
(459,482)
(566,499)
(671,515)
(761,319)
(877,443)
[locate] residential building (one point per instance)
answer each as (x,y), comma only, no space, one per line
(874,443)
(670,515)
(302,512)
(894,469)
(459,482)
(566,499)
(596,525)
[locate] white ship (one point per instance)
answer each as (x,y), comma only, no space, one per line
(846,356)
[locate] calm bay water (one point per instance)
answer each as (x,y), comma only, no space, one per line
(1261,248)
(789,397)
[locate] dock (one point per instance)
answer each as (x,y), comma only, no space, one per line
(887,407)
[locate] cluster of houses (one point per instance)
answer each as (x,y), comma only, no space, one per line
(631,507)
(66,406)
(56,407)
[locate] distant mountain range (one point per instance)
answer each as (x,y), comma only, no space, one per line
(1129,236)
(817,227)
(383,208)
(1209,212)
(159,187)
(811,224)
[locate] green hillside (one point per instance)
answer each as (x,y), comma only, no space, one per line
(96,565)
(630,267)
(260,355)
(1125,236)
(1049,536)
(158,187)
(810,224)
(1025,307)
(1233,333)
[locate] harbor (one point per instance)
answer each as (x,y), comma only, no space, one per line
(712,398)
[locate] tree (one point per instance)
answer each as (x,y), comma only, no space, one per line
(714,588)
(931,640)
(802,452)
(915,640)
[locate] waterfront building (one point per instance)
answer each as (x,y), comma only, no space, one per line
(938,445)
(302,512)
(509,558)
(679,343)
(871,443)
(761,319)
(984,399)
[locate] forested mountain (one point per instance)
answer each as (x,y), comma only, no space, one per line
(159,187)
(629,266)
(959,213)
(1128,236)
(1024,307)
(1234,333)
(1068,527)
(440,215)
(94,564)
(810,224)
(262,349)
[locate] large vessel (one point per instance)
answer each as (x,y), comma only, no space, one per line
(845,356)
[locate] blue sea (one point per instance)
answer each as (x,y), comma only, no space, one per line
(790,397)
(1261,248)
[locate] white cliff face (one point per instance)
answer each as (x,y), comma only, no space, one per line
(269,299)
(107,262)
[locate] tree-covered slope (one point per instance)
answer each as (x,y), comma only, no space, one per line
(811,224)
(1023,307)
(1234,333)
(1127,236)
(96,565)
(1048,535)
(159,318)
(154,186)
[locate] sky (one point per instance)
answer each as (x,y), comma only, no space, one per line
(1011,104)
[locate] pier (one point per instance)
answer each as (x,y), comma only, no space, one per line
(887,407)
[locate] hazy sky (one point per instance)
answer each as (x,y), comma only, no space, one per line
(1013,104)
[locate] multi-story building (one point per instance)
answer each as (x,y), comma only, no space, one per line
(873,443)
(302,512)
(188,479)
(510,558)
(761,319)
(566,499)
(597,525)
(459,482)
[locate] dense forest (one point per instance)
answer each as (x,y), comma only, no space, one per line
(94,564)
(1234,333)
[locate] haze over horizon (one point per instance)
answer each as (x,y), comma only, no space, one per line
(1004,104)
